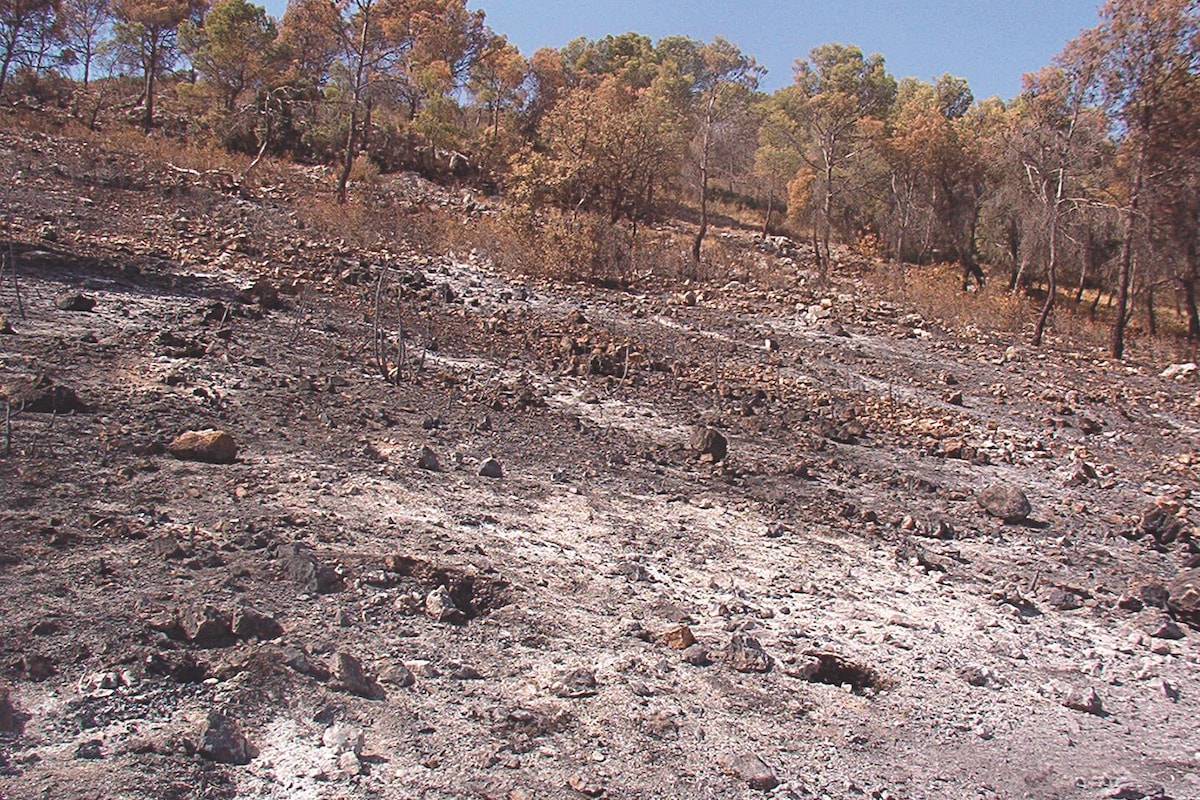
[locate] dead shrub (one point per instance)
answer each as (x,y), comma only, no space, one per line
(556,246)
(364,170)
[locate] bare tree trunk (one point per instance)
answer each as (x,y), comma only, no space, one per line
(1193,314)
(1052,288)
(1116,341)
(359,73)
(148,108)
(705,148)
(766,230)
(1088,268)
(827,222)
(1151,317)
(1014,254)
(347,159)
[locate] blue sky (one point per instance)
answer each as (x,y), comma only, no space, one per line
(991,43)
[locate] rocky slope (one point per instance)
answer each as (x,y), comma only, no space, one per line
(717,541)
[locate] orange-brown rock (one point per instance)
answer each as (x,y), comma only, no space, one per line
(209,446)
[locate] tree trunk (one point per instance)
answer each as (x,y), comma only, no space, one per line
(1014,254)
(1193,314)
(9,55)
(827,222)
(1151,317)
(151,68)
(360,67)
(1116,340)
(705,148)
(1039,330)
(347,158)
(966,256)
(1089,258)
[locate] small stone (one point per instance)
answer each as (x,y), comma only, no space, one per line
(1137,790)
(491,468)
(587,784)
(710,443)
(1062,600)
(776,530)
(423,669)
(440,606)
(1085,700)
(1080,473)
(398,675)
(680,638)
(350,764)
(937,528)
(1162,520)
(223,741)
(76,302)
(264,293)
(1180,372)
(347,675)
(1005,502)
(251,624)
(697,655)
(465,672)
(297,658)
(976,675)
(575,684)
(206,626)
(343,738)
(208,446)
(10,721)
(299,565)
(749,768)
(1161,626)
(1144,591)
(428,460)
(91,750)
(1183,594)
(745,654)
(1168,689)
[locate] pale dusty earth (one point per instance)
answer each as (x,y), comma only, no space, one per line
(522,636)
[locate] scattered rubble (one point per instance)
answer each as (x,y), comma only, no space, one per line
(826,607)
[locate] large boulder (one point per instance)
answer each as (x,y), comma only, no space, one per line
(1005,502)
(710,443)
(209,446)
